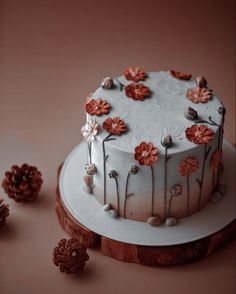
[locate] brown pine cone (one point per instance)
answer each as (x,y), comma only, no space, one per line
(70,255)
(22,183)
(4,212)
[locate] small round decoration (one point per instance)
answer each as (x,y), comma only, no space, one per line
(112,213)
(201,82)
(199,95)
(107,207)
(137,91)
(22,183)
(180,75)
(107,83)
(199,134)
(4,212)
(135,74)
(97,107)
(91,169)
(114,126)
(170,221)
(154,221)
(166,141)
(221,110)
(70,256)
(190,113)
(216,196)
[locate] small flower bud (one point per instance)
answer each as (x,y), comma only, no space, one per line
(166,141)
(221,110)
(201,82)
(175,190)
(91,169)
(191,114)
(113,174)
(133,169)
(107,83)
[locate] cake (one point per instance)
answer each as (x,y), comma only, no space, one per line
(154,146)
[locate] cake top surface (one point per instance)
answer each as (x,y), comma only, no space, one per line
(158,115)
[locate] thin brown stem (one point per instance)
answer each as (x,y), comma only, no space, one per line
(126,193)
(152,173)
(117,197)
(165,182)
(169,208)
(104,169)
(188,196)
(202,176)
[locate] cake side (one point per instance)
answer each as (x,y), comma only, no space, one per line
(180,180)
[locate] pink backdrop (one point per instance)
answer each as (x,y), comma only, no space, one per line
(53,53)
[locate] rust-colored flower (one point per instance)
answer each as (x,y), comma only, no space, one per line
(97,107)
(146,154)
(188,166)
(114,126)
(199,134)
(135,74)
(180,75)
(199,95)
(215,160)
(137,91)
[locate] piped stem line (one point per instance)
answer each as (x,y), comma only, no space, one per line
(90,151)
(213,181)
(152,174)
(121,85)
(117,197)
(165,182)
(220,147)
(126,193)
(188,195)
(202,176)
(170,202)
(104,169)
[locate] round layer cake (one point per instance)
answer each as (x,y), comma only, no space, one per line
(154,144)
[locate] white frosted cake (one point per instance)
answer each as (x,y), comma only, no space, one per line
(154,145)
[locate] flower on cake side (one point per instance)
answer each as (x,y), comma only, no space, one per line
(180,75)
(201,135)
(135,74)
(175,191)
(97,107)
(115,126)
(199,95)
(146,154)
(89,132)
(137,91)
(214,165)
(186,168)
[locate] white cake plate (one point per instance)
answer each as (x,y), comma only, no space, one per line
(88,212)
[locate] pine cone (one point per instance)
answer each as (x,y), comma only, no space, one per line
(4,212)
(22,183)
(70,255)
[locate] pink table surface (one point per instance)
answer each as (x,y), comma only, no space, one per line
(53,53)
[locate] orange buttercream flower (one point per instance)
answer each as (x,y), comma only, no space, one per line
(146,154)
(215,160)
(97,107)
(199,134)
(199,95)
(180,75)
(114,126)
(188,166)
(135,74)
(137,91)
